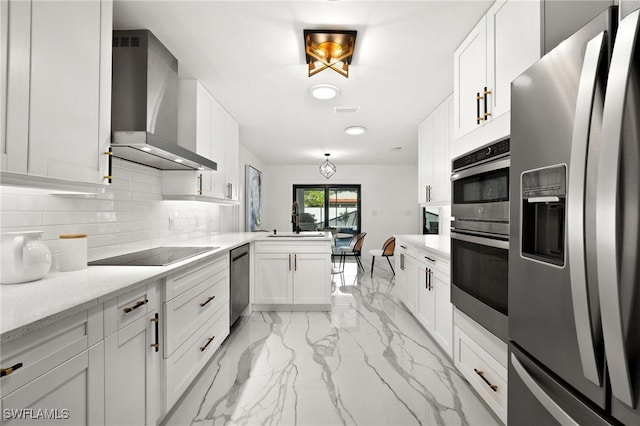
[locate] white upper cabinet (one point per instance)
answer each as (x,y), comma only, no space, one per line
(434,166)
(206,128)
(505,42)
(469,79)
(57,56)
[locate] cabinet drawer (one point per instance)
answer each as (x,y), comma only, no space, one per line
(187,360)
(193,275)
(127,308)
(42,350)
(475,363)
(188,311)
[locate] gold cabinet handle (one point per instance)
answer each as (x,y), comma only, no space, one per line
(203,304)
(107,177)
(136,306)
(481,374)
(7,371)
(156,345)
(202,348)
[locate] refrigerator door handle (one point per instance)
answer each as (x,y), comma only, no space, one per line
(576,207)
(547,402)
(608,220)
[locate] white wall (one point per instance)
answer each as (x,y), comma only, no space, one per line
(130,215)
(389,203)
(248,158)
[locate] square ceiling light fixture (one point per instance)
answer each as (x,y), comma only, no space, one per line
(329,49)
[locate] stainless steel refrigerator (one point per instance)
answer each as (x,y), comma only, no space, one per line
(574,259)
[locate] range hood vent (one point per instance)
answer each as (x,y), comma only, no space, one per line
(144,105)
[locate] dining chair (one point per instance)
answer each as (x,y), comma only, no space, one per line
(353,249)
(388,248)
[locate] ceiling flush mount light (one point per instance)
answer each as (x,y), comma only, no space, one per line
(355,130)
(324,91)
(327,169)
(329,49)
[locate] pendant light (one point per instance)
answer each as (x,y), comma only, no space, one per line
(327,169)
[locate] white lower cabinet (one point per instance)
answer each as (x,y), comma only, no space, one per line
(286,277)
(55,375)
(132,363)
(482,359)
(423,285)
(196,313)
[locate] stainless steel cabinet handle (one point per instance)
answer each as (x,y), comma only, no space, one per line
(229,190)
(136,306)
(209,299)
(576,207)
(9,370)
(200,184)
(289,261)
(611,259)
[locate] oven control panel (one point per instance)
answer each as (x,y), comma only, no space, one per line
(497,149)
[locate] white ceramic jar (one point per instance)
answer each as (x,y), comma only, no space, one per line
(25,257)
(73,252)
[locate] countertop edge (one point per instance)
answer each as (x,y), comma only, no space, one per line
(157,273)
(438,245)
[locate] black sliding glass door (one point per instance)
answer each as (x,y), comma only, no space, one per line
(329,207)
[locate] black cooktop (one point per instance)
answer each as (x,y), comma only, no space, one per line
(159,256)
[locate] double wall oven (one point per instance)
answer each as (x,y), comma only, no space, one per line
(480,236)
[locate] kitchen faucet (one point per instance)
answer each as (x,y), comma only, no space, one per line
(295,217)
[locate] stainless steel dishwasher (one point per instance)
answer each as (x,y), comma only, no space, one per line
(239,285)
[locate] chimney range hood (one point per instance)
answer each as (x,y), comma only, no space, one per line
(144,105)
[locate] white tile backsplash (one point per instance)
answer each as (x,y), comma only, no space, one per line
(130,215)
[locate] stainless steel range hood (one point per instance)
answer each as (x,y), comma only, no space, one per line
(144,105)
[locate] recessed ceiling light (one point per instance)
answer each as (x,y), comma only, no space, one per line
(146,148)
(178,160)
(355,130)
(324,91)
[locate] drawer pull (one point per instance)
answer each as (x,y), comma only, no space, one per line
(481,374)
(203,304)
(430,259)
(136,306)
(155,320)
(202,348)
(7,371)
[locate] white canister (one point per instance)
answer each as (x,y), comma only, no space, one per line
(73,252)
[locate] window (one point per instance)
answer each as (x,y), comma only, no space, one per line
(328,207)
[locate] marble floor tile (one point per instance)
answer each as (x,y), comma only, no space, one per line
(367,362)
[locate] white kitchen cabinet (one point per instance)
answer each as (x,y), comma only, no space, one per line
(58,93)
(206,128)
(292,274)
(196,312)
(225,147)
(434,166)
(406,278)
(132,360)
(435,310)
(506,41)
(59,368)
(401,272)
(482,359)
(273,282)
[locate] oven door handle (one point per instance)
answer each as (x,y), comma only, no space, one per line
(482,240)
(481,168)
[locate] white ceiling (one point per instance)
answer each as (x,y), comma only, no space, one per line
(250,56)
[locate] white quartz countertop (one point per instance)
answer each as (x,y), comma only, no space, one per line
(28,306)
(439,244)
